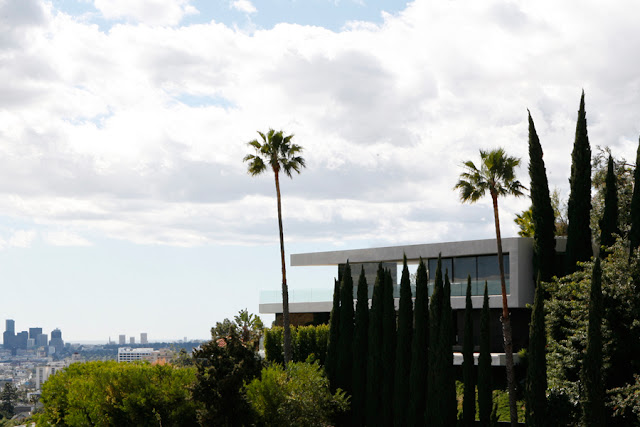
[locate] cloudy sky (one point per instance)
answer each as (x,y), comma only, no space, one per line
(124,202)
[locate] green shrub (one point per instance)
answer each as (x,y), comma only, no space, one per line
(298,395)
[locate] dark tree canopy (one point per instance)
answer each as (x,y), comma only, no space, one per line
(345,338)
(360,339)
(634,234)
(536,386)
(485,399)
(579,207)
(609,221)
(542,215)
(403,349)
(468,365)
(420,348)
(375,366)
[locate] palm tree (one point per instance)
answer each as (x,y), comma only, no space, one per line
(497,176)
(277,151)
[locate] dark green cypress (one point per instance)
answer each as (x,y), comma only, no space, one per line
(634,233)
(609,221)
(360,338)
(435,415)
(448,378)
(419,350)
(345,335)
(374,361)
(485,398)
(468,365)
(331,365)
(536,386)
(403,350)
(593,396)
(388,349)
(544,227)
(579,209)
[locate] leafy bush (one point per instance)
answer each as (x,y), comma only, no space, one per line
(298,395)
(111,393)
(305,341)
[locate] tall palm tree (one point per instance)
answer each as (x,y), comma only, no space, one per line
(496,175)
(277,151)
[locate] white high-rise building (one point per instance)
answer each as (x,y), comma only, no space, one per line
(126,354)
(122,339)
(143,338)
(44,372)
(132,340)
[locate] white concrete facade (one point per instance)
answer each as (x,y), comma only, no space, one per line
(519,249)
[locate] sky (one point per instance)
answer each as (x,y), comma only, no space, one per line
(125,206)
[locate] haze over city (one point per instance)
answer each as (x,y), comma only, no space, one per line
(125,206)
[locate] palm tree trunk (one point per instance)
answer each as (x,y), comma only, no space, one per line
(285,289)
(506,321)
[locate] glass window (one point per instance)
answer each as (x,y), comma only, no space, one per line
(489,270)
(447,265)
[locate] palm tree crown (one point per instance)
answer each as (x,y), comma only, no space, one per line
(495,175)
(276,150)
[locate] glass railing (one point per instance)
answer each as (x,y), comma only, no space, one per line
(298,295)
(458,289)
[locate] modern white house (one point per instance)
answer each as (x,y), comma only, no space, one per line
(475,258)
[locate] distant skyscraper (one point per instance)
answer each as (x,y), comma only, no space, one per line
(143,338)
(42,340)
(56,340)
(122,339)
(21,340)
(9,335)
(132,340)
(11,326)
(34,332)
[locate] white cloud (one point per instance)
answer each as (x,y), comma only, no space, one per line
(96,138)
(20,239)
(243,6)
(152,12)
(65,238)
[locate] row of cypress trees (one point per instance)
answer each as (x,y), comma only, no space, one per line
(389,363)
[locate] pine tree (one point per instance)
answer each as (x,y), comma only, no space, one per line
(579,208)
(374,361)
(360,338)
(345,335)
(536,386)
(485,398)
(609,221)
(593,396)
(419,350)
(544,244)
(331,365)
(634,234)
(403,350)
(435,402)
(388,349)
(468,365)
(448,379)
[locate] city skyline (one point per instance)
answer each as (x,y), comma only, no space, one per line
(124,202)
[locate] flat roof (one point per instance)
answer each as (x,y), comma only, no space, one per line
(413,252)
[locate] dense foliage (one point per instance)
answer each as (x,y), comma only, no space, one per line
(118,394)
(306,342)
(296,395)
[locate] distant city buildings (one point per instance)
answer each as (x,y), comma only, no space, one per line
(143,338)
(33,338)
(122,339)
(127,354)
(132,340)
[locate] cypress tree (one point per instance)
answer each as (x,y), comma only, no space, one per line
(485,398)
(374,360)
(403,350)
(593,396)
(448,379)
(435,402)
(468,366)
(609,221)
(544,227)
(345,335)
(360,338)
(419,350)
(579,208)
(331,364)
(536,386)
(634,233)
(388,349)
